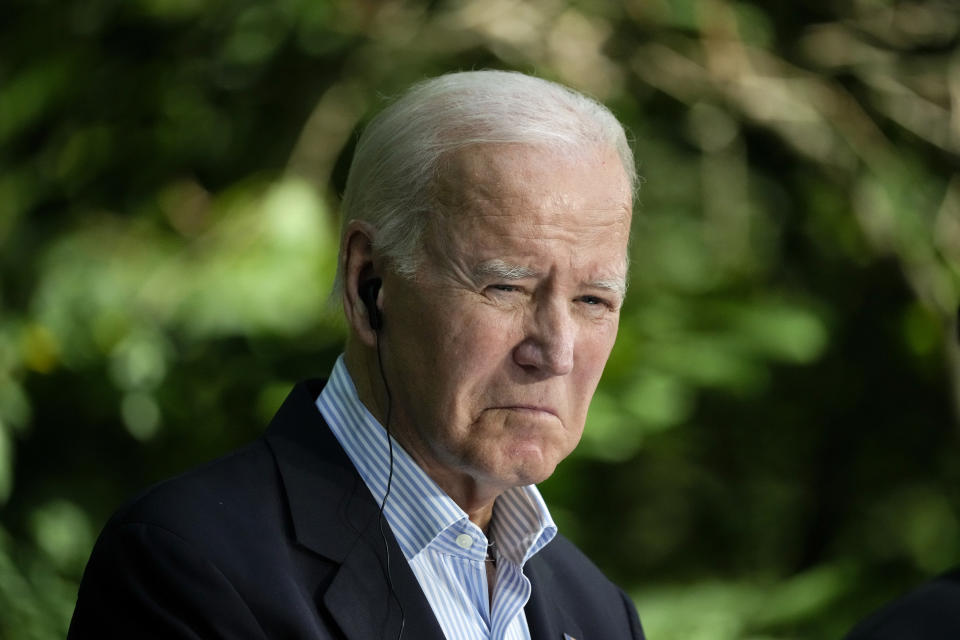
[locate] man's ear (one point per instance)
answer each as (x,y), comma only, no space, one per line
(359,268)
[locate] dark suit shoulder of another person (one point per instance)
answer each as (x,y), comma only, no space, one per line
(930,612)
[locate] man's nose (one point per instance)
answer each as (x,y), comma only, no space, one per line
(548,343)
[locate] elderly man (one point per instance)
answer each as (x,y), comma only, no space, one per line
(482,268)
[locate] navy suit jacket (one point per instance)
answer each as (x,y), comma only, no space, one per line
(930,612)
(281,539)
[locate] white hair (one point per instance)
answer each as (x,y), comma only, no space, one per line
(399,155)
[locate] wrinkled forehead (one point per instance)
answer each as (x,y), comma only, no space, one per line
(523,179)
(529,208)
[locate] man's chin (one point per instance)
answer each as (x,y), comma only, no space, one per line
(526,465)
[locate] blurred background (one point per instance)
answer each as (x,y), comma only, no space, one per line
(773,451)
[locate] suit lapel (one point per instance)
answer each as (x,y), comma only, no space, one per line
(360,598)
(334,515)
(546,619)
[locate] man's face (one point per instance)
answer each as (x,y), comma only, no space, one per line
(494,350)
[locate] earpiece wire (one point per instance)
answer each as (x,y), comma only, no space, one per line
(383,503)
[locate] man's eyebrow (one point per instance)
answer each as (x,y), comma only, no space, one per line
(613,285)
(502,270)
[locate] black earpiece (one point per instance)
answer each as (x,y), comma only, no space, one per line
(368,294)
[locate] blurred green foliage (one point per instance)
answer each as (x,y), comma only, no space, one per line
(774,448)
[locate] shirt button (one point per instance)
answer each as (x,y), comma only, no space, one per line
(464,541)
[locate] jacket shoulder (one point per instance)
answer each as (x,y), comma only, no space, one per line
(239,491)
(238,486)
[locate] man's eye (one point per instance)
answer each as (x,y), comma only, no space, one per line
(596,301)
(508,288)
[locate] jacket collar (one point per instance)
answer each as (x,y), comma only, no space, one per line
(334,516)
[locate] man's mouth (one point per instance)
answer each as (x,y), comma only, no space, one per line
(532,408)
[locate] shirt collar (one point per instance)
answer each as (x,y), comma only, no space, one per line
(418,511)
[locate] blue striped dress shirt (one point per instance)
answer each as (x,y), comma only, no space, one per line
(445,550)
